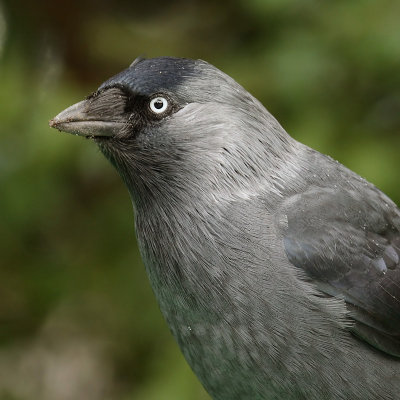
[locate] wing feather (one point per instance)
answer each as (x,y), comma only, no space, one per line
(348,244)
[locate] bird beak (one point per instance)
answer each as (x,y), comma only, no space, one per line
(85,120)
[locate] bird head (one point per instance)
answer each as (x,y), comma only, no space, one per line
(174,125)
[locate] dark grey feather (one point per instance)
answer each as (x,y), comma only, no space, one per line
(345,239)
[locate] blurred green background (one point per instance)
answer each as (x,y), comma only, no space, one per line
(77,316)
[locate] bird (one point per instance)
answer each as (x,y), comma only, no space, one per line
(276,268)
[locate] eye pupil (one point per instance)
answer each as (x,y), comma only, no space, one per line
(158,104)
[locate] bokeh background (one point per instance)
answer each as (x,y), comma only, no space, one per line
(77,316)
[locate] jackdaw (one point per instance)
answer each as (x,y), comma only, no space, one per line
(276,268)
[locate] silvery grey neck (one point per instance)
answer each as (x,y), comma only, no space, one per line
(207,166)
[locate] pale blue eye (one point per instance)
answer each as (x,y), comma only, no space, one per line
(158,105)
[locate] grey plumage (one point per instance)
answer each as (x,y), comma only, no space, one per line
(276,268)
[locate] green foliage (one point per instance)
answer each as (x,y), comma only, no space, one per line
(77,316)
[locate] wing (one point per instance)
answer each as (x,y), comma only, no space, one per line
(348,243)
